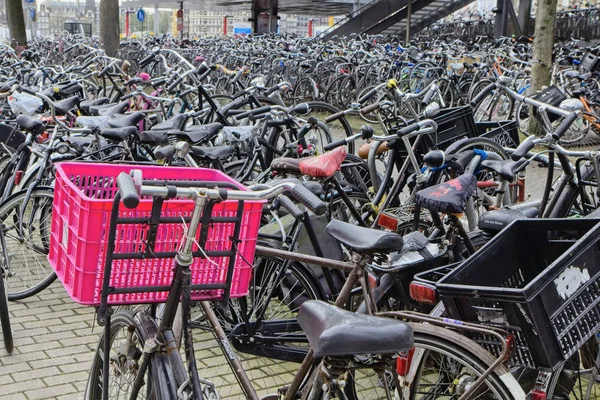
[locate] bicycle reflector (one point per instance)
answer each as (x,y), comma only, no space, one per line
(18,177)
(388,222)
(403,362)
(423,292)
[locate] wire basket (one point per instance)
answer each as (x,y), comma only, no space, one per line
(144,250)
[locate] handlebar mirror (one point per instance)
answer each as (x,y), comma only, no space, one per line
(432,110)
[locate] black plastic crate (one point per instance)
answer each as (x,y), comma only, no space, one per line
(590,63)
(453,124)
(553,96)
(539,279)
(505,133)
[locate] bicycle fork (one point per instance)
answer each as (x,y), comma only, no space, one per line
(165,339)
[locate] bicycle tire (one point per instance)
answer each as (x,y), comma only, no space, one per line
(345,130)
(566,204)
(5,317)
(447,346)
(43,277)
(453,343)
(159,381)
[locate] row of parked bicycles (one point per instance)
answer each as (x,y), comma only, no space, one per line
(380,236)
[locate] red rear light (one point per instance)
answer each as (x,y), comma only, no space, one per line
(403,362)
(373,281)
(388,222)
(423,293)
(510,340)
(538,395)
(18,177)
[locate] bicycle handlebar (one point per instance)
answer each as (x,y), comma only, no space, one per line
(130,191)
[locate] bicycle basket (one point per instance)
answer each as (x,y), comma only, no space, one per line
(538,279)
(81,217)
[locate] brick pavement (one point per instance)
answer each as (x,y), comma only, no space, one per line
(55,340)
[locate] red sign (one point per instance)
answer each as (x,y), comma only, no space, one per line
(179,20)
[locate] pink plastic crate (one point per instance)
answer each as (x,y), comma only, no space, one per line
(80,227)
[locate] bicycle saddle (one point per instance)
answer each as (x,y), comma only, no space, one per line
(153,137)
(212,153)
(286,165)
(496,220)
(364,239)
(64,106)
(571,74)
(63,89)
(325,165)
(173,123)
(118,134)
(505,168)
(332,331)
(33,125)
(7,86)
(108,110)
(449,197)
(86,104)
(128,120)
(199,133)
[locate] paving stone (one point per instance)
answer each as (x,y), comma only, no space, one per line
(50,392)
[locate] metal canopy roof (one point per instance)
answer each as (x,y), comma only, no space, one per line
(305,7)
(427,15)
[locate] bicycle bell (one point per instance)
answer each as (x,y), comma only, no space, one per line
(571,105)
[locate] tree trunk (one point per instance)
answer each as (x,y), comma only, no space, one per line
(543,42)
(109,26)
(16,23)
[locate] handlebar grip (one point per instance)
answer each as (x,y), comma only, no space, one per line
(291,207)
(87,64)
(333,145)
(564,126)
(333,117)
(479,98)
(164,152)
(430,93)
(370,108)
(27,90)
(523,148)
(368,95)
(408,129)
(202,68)
(259,110)
(173,85)
(146,61)
(237,76)
(308,198)
(129,195)
(104,71)
(126,97)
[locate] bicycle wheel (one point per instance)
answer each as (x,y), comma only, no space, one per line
(128,333)
(5,317)
(578,377)
(496,106)
(28,271)
(444,364)
(572,202)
